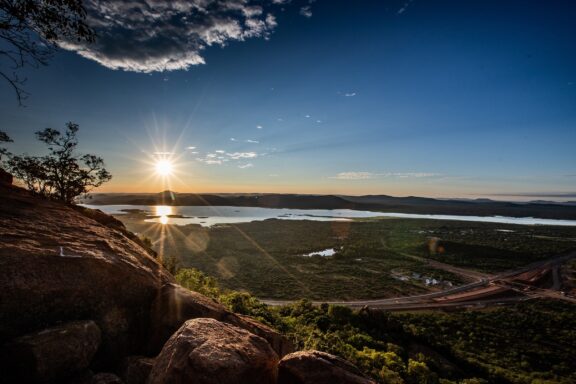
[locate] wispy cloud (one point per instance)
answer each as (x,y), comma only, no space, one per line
(354,176)
(242,155)
(372,175)
(306,11)
(243,166)
(259,127)
(404,7)
(166,35)
(350,94)
(252,141)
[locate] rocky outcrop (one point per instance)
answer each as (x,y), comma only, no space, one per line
(280,344)
(59,265)
(206,351)
(175,304)
(79,294)
(314,367)
(53,353)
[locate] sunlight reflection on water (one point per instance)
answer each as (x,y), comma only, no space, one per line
(163,211)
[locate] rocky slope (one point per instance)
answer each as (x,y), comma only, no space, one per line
(82,301)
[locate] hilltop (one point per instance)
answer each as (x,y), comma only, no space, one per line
(84,301)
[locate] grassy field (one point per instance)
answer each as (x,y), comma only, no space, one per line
(374,258)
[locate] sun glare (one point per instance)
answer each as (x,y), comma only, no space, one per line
(163,167)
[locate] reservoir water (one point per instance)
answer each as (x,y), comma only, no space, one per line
(209,216)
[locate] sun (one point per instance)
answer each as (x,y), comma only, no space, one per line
(163,167)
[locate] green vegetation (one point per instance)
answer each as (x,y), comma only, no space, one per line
(374,258)
(527,343)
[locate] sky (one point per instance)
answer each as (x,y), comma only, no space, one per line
(427,98)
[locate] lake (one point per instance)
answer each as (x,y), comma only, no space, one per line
(209,216)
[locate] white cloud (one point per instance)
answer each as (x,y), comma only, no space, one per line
(404,7)
(354,176)
(350,94)
(306,11)
(259,127)
(232,139)
(371,175)
(242,155)
(191,148)
(410,174)
(220,151)
(243,166)
(252,141)
(307,116)
(166,35)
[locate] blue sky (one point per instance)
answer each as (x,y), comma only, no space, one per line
(428,98)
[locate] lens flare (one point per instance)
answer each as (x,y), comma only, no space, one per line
(163,167)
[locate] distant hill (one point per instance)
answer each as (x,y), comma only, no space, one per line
(378,203)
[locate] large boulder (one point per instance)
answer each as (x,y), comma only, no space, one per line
(207,351)
(315,367)
(59,265)
(175,304)
(52,354)
(136,369)
(279,343)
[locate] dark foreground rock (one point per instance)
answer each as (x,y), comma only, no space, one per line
(136,369)
(58,265)
(52,354)
(207,351)
(105,378)
(314,367)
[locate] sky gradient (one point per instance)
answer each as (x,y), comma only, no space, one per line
(427,98)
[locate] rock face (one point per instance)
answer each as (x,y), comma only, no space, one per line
(136,369)
(58,265)
(207,351)
(175,304)
(51,354)
(314,367)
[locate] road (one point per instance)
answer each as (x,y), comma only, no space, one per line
(477,293)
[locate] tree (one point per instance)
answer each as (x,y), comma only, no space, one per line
(30,31)
(4,138)
(62,174)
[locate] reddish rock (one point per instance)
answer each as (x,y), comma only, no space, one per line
(207,351)
(175,304)
(314,367)
(51,354)
(280,344)
(59,265)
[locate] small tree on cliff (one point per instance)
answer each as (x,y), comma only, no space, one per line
(62,174)
(4,138)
